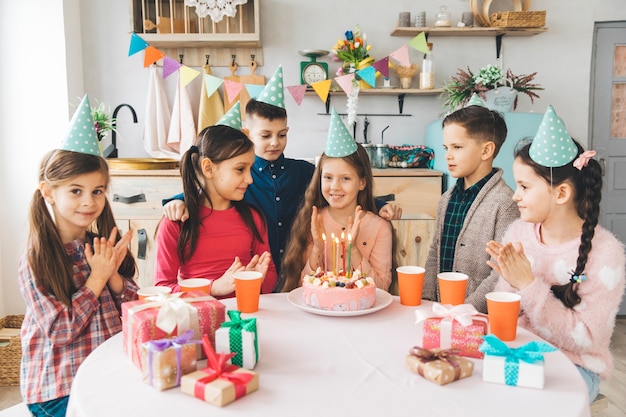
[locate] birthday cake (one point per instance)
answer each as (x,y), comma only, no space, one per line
(338,293)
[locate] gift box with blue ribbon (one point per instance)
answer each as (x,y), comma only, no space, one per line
(165,361)
(240,337)
(521,367)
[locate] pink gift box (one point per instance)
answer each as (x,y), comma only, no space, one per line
(446,327)
(160,317)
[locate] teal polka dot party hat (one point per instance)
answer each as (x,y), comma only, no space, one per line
(232,118)
(475,101)
(552,146)
(273,92)
(340,142)
(81,136)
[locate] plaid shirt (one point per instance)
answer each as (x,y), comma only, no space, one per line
(460,202)
(55,339)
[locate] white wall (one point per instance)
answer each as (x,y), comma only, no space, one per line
(35,87)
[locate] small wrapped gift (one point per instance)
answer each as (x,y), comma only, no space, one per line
(238,336)
(165,361)
(458,327)
(169,315)
(219,383)
(438,366)
(520,367)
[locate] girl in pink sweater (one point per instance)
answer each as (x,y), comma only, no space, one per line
(568,269)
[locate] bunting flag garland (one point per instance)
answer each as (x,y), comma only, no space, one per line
(401,55)
(382,66)
(297,92)
(254,90)
(232,89)
(368,74)
(419,43)
(151,56)
(170,66)
(136,44)
(187,74)
(212,83)
(345,82)
(322,88)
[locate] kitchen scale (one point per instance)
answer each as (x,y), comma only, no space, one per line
(313,71)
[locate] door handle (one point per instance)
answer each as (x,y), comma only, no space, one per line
(603,165)
(139,198)
(142,244)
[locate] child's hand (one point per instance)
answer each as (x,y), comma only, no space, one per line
(176,210)
(225,284)
(511,263)
(317,228)
(354,223)
(102,259)
(390,212)
(121,247)
(260,263)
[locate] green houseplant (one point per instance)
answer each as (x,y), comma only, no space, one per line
(459,89)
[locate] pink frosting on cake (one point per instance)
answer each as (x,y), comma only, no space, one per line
(317,293)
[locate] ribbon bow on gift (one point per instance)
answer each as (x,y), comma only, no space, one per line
(162,344)
(218,368)
(530,353)
(462,313)
(446,355)
(237,325)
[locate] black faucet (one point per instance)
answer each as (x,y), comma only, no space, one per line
(111,150)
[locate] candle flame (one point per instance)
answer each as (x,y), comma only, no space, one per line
(349,237)
(323,237)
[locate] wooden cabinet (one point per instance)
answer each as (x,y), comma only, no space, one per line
(135,197)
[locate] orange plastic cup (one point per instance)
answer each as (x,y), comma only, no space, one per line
(503,310)
(452,287)
(145,292)
(248,290)
(410,284)
(195,284)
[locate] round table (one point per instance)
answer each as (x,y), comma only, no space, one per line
(330,366)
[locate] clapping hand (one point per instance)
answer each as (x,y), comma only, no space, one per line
(511,263)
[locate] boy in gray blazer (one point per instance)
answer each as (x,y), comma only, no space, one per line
(477,209)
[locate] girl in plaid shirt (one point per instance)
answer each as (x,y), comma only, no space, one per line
(72,277)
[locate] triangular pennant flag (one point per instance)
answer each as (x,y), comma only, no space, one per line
(254,90)
(419,43)
(401,55)
(151,56)
(187,74)
(368,74)
(212,83)
(232,118)
(345,82)
(297,92)
(170,66)
(136,44)
(340,142)
(552,146)
(232,88)
(273,92)
(382,66)
(322,88)
(81,136)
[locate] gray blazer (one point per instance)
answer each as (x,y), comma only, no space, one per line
(487,219)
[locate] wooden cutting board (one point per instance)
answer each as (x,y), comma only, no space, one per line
(244,97)
(228,104)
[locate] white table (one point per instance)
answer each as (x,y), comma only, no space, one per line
(313,365)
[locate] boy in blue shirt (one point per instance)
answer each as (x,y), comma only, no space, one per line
(278,183)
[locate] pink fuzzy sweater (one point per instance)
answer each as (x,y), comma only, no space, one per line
(583,333)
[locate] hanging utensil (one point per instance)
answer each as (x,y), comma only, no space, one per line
(366,124)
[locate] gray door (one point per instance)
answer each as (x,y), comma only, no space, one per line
(608,123)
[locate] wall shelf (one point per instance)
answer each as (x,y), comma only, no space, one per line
(473,31)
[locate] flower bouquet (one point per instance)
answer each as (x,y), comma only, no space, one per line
(353,51)
(459,89)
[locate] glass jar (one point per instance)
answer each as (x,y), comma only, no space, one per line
(382,156)
(427,74)
(371,152)
(443,17)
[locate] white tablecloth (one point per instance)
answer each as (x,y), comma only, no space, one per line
(313,365)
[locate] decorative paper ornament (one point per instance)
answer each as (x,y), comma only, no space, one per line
(552,146)
(475,101)
(340,142)
(232,118)
(273,92)
(82,136)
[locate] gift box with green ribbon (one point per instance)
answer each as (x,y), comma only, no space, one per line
(219,383)
(240,337)
(440,366)
(165,361)
(520,367)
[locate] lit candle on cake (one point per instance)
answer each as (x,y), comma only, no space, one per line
(337,256)
(343,252)
(334,251)
(325,260)
(349,270)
